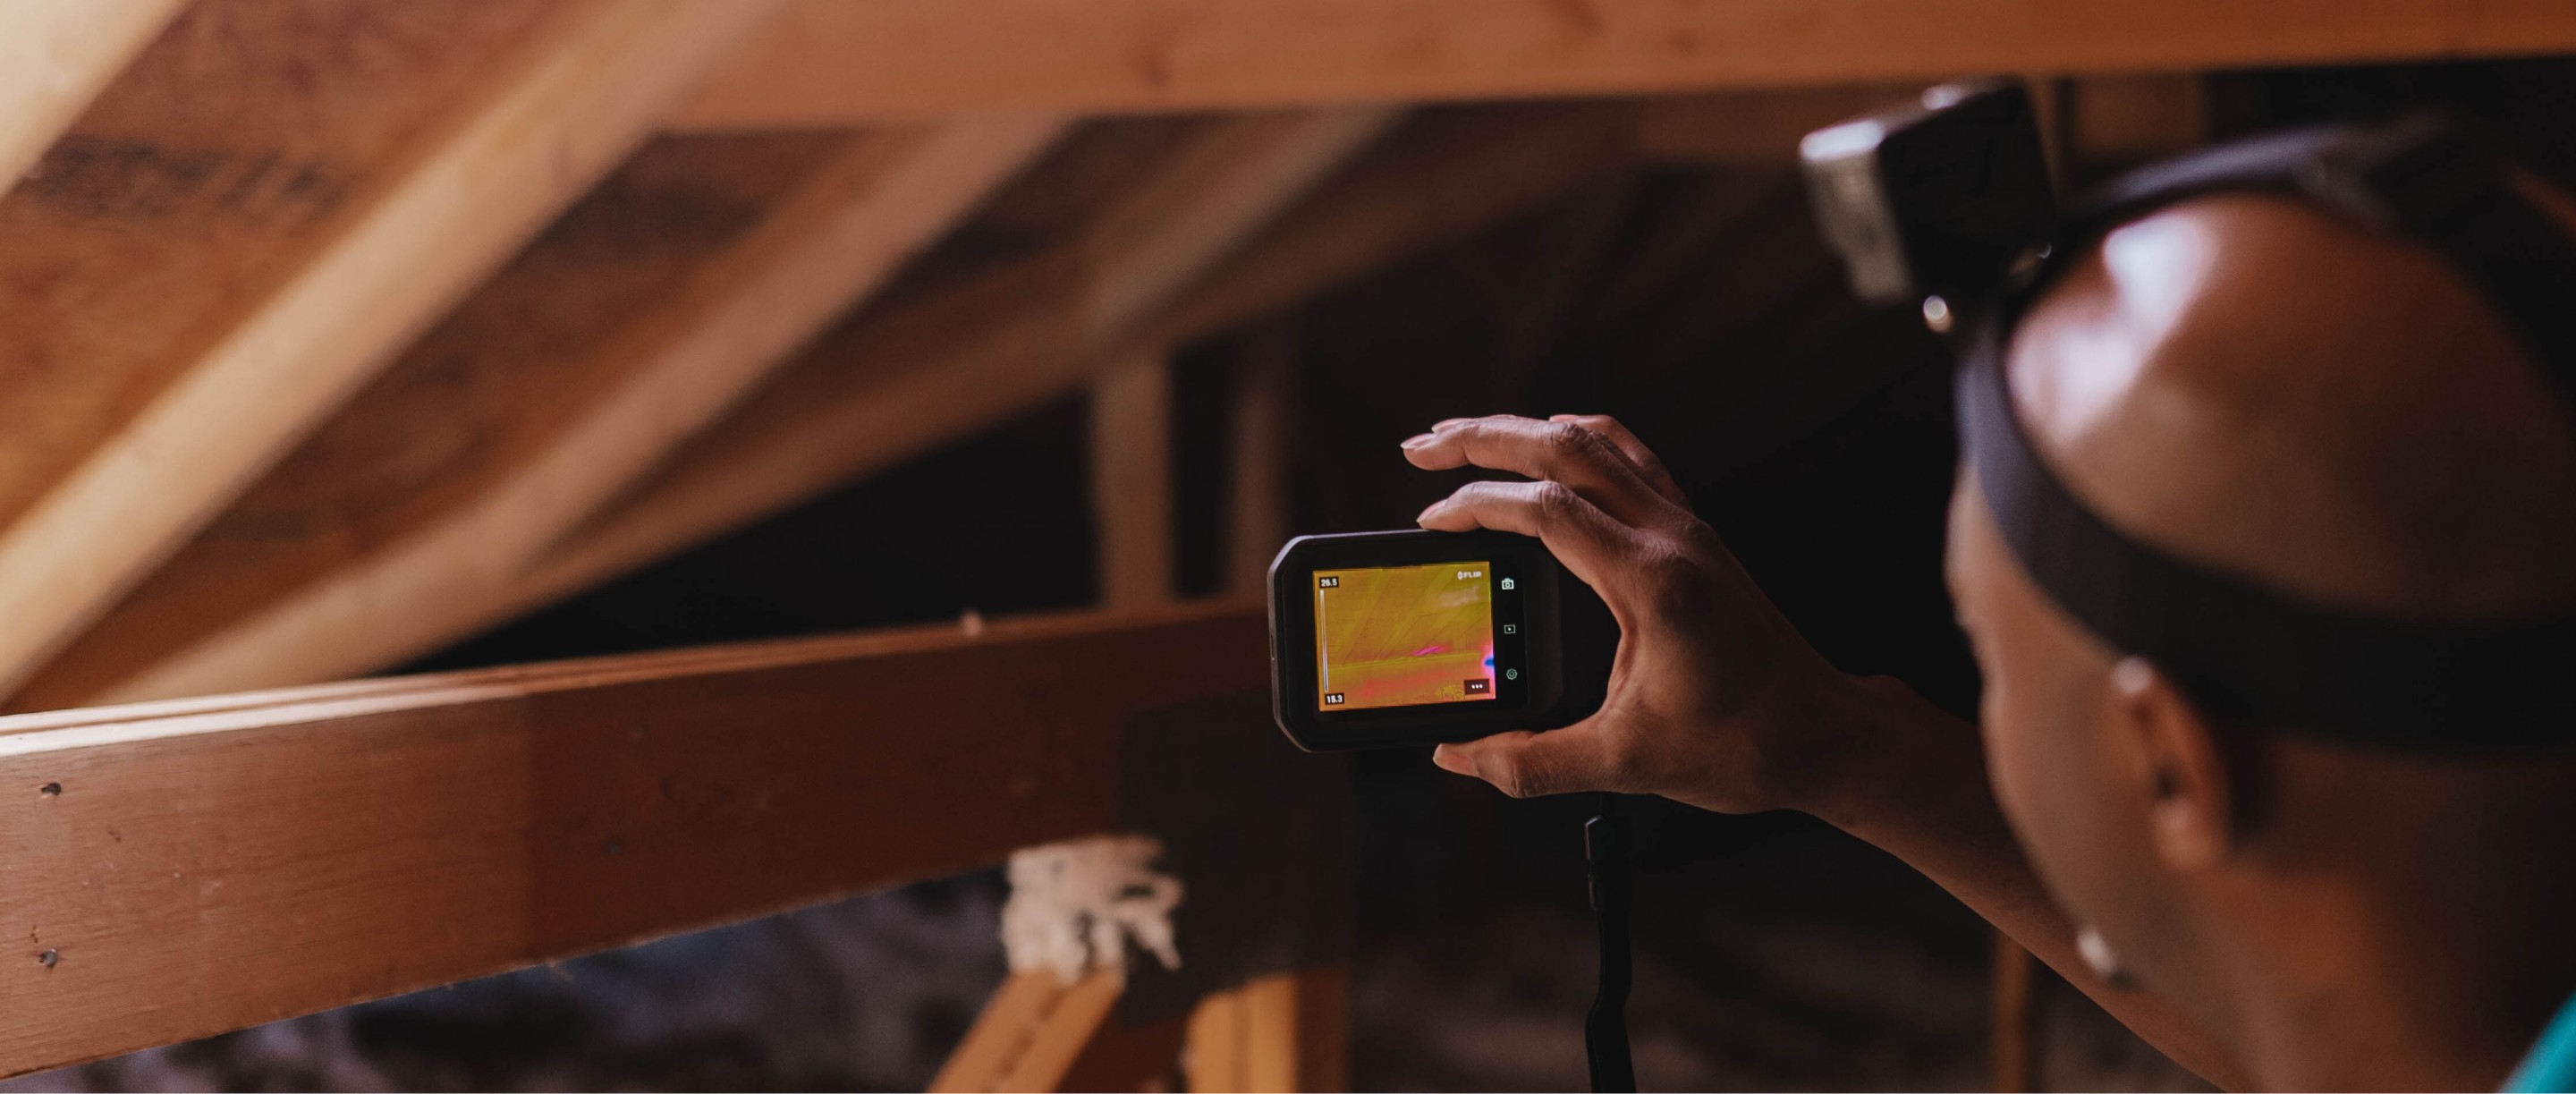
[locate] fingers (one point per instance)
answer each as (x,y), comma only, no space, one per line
(1528,765)
(1593,547)
(1649,466)
(1556,451)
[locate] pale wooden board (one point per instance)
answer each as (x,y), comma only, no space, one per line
(225,269)
(1030,1033)
(1428,183)
(202,872)
(55,56)
(1287,1031)
(651,308)
(475,396)
(929,364)
(832,62)
(168,211)
(515,366)
(1032,329)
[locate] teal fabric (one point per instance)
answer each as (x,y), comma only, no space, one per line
(2551,1066)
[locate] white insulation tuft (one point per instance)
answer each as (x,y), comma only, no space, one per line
(1075,905)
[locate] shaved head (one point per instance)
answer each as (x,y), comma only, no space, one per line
(2253,385)
(2259,388)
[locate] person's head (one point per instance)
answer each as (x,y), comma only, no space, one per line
(2254,386)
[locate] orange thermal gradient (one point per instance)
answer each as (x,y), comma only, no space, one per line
(1403,635)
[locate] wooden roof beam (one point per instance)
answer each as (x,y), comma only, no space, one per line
(457,204)
(834,241)
(997,346)
(827,62)
(215,868)
(57,55)
(957,360)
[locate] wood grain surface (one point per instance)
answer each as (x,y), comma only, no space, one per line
(202,870)
(829,62)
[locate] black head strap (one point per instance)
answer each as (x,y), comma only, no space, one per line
(2247,653)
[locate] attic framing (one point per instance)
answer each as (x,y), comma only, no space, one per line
(353,356)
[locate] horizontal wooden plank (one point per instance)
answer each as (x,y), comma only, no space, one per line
(211,868)
(831,62)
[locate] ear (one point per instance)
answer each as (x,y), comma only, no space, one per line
(2192,809)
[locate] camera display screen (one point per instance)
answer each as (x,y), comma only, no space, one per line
(1395,636)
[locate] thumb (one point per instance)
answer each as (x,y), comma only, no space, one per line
(1528,765)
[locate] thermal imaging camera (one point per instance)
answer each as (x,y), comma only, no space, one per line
(1382,639)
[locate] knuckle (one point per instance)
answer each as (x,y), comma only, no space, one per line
(1675,580)
(1570,441)
(1696,540)
(1554,500)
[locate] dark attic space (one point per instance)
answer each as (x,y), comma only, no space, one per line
(776,682)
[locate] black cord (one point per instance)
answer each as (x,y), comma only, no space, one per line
(1605,1029)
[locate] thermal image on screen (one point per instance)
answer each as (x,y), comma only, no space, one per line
(1404,635)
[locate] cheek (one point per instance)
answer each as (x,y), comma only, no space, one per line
(2023,722)
(2048,780)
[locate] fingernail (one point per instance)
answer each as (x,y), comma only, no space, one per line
(1449,423)
(1418,440)
(1434,507)
(1453,760)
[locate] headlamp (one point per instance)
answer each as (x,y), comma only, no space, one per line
(1945,202)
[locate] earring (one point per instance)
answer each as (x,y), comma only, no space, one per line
(2098,957)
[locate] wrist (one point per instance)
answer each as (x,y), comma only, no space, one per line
(1873,739)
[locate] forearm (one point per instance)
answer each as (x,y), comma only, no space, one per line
(1912,781)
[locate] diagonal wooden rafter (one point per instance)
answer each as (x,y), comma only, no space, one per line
(1031,1032)
(431,216)
(1423,187)
(270,608)
(55,56)
(832,62)
(935,368)
(1011,340)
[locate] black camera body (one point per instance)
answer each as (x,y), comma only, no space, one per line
(1934,200)
(1387,639)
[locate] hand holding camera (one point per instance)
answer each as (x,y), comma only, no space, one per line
(1713,698)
